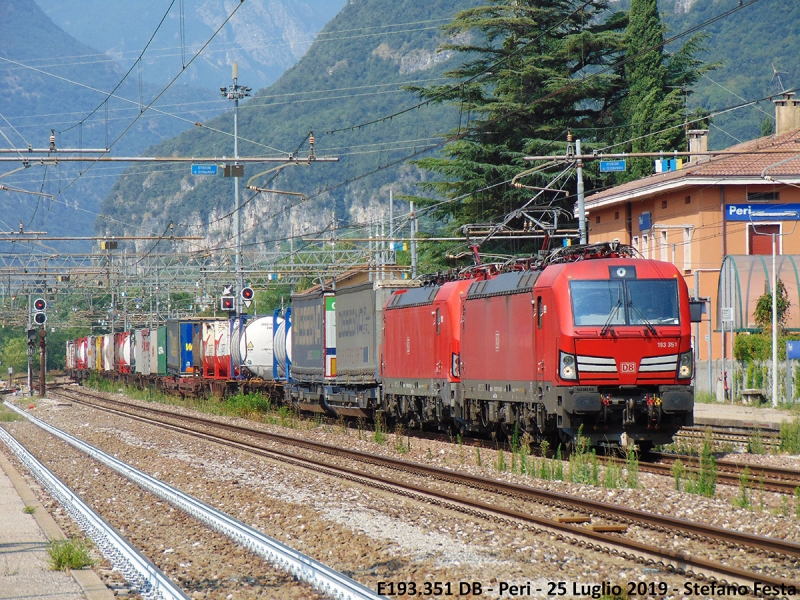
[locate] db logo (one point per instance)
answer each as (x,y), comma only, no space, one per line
(627,367)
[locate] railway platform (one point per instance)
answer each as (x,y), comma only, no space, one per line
(24,570)
(740,416)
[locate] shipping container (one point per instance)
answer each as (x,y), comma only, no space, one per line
(359,329)
(141,351)
(70,360)
(180,357)
(108,352)
(122,352)
(259,347)
(158,350)
(81,358)
(308,336)
(216,356)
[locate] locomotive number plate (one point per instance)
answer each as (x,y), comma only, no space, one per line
(627,367)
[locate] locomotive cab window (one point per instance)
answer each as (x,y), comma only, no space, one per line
(625,302)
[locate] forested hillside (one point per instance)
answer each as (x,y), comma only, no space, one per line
(48,80)
(353,73)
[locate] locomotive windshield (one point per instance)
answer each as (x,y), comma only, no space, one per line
(609,302)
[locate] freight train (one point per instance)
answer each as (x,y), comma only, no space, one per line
(588,339)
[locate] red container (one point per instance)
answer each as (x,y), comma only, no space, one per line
(122,352)
(216,352)
(82,353)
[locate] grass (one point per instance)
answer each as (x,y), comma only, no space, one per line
(7,415)
(29,510)
(69,554)
(743,499)
(790,437)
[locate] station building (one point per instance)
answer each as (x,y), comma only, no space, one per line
(715,218)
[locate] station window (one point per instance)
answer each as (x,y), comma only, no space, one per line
(687,248)
(760,239)
(763,196)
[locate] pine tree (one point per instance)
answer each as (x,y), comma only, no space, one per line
(533,69)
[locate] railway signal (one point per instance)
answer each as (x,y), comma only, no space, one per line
(227,303)
(39,317)
(247,296)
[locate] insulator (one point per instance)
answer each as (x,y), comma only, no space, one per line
(569,136)
(311,139)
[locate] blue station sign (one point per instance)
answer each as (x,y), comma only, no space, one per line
(612,166)
(204,169)
(762,212)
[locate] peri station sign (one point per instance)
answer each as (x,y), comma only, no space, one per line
(762,212)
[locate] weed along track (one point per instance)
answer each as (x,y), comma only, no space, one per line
(598,531)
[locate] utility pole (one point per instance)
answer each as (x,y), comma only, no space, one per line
(581,204)
(774,328)
(42,360)
(392,252)
(236,92)
(412,222)
(31,342)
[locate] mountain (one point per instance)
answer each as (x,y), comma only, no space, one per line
(265,36)
(354,72)
(50,81)
(54,74)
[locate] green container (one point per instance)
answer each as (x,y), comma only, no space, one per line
(161,345)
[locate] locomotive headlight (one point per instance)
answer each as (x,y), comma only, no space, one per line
(686,365)
(567,368)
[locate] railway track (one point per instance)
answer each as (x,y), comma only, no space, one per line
(737,438)
(772,479)
(253,440)
(150,581)
(144,576)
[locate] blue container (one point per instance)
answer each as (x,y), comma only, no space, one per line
(180,357)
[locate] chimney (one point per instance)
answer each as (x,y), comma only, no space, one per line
(787,113)
(698,142)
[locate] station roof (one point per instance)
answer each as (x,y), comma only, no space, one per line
(770,159)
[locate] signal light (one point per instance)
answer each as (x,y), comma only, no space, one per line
(227,303)
(247,293)
(39,317)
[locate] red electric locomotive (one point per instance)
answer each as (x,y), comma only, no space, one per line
(419,356)
(588,339)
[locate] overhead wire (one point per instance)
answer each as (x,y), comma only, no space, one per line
(124,77)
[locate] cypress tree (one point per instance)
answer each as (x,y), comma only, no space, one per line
(658,84)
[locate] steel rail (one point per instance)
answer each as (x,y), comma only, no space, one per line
(137,570)
(319,576)
(783,481)
(673,559)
